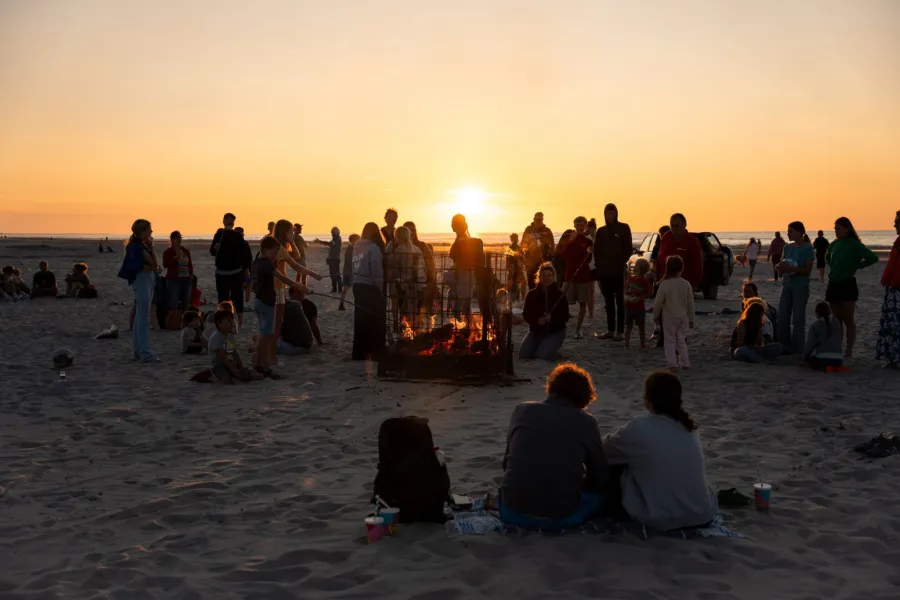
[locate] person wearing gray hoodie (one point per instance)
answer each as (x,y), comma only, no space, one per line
(368,286)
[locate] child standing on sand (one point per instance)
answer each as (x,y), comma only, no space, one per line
(637,290)
(226,363)
(675,304)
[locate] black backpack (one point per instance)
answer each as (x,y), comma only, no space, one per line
(409,475)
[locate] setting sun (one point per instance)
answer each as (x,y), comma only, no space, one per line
(469,201)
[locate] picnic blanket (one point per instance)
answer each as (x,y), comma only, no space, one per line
(479,521)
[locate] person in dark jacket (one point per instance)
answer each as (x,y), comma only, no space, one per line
(554,469)
(233,262)
(179,272)
(612,249)
(538,246)
(546,311)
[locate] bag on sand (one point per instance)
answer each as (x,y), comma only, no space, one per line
(410,476)
(173,319)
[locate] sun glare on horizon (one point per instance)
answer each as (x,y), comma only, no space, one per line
(469,201)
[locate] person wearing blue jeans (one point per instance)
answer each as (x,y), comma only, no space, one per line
(797,262)
(758,354)
(546,311)
(554,469)
(545,347)
(143,287)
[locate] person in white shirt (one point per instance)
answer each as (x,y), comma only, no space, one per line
(674,303)
(752,254)
(663,483)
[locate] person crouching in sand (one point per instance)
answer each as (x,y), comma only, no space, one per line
(546,312)
(824,342)
(192,340)
(225,360)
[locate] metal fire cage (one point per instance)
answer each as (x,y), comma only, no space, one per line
(447,319)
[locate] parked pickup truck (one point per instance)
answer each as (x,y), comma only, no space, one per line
(718,261)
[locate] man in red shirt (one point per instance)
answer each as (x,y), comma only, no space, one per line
(680,242)
(576,249)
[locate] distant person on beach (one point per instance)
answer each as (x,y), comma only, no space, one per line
(192,339)
(559,260)
(638,288)
(179,272)
(333,260)
(77,282)
(232,265)
(612,250)
(515,269)
(845,256)
(284,257)
(270,227)
(348,268)
(654,254)
(750,291)
(576,249)
(673,310)
(820,245)
(752,255)
(390,220)
(225,360)
(300,247)
(539,246)
(796,264)
(747,341)
(100,248)
(656,462)
(467,253)
(887,349)
(546,311)
(824,342)
(592,265)
(776,247)
(406,272)
(43,284)
(554,471)
(427,251)
(368,285)
(679,241)
(140,267)
(265,276)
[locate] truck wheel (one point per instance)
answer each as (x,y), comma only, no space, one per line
(710,292)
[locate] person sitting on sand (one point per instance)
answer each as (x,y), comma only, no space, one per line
(8,283)
(824,341)
(546,312)
(663,482)
(225,360)
(192,340)
(77,280)
(554,471)
(747,341)
(43,284)
(750,291)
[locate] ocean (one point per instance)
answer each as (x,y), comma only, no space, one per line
(876,240)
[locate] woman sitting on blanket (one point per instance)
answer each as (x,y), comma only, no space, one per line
(660,464)
(554,468)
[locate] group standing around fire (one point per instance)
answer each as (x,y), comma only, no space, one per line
(389,271)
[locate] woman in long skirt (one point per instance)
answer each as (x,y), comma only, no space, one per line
(888,347)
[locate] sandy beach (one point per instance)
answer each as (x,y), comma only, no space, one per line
(136,483)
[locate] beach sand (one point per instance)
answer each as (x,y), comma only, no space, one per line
(136,483)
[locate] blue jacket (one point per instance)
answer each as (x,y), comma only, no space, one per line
(132,263)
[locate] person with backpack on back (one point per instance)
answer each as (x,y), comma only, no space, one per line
(233,262)
(554,469)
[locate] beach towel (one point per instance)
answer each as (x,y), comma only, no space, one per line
(479,521)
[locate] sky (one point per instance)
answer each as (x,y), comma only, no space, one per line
(741,115)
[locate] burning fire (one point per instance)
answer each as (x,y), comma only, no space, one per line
(457,336)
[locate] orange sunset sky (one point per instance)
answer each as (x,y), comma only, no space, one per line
(743,115)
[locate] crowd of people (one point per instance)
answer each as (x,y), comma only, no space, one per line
(44,284)
(390,271)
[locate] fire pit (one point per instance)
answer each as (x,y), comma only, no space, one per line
(446,323)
